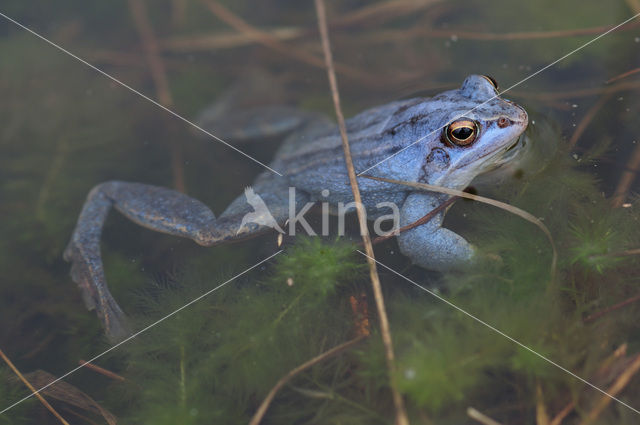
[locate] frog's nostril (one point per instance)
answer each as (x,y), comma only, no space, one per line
(503,122)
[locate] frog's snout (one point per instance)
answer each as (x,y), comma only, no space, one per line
(522,120)
(523,117)
(520,117)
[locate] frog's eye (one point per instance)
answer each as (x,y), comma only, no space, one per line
(462,132)
(491,81)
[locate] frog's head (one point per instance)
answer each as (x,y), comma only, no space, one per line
(480,131)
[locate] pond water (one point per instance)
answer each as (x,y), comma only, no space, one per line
(66,126)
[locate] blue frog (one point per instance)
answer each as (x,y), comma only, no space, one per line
(444,140)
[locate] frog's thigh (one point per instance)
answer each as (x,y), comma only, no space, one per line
(273,191)
(430,245)
(266,204)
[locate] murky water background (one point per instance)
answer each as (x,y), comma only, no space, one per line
(65,128)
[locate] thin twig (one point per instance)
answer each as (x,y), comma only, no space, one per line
(605,365)
(588,117)
(225,40)
(480,417)
(222,40)
(360,310)
(626,253)
(619,384)
(33,390)
(257,417)
(268,40)
(160,80)
(634,5)
(421,32)
(542,417)
(373,14)
(623,75)
(426,218)
(401,414)
(557,419)
(151,50)
(607,310)
(578,93)
(368,15)
(628,176)
(101,371)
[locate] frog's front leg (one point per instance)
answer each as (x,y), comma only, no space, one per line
(430,245)
(156,208)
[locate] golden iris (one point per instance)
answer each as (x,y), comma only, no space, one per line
(462,132)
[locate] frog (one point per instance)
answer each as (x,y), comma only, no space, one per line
(445,140)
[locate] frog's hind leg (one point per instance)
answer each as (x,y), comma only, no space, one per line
(263,207)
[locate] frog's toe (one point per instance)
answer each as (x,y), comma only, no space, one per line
(88,276)
(80,275)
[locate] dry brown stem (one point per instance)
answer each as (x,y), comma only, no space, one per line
(604,368)
(268,40)
(578,93)
(623,75)
(557,419)
(634,5)
(377,11)
(160,80)
(542,417)
(614,307)
(401,414)
(588,117)
(257,417)
(421,32)
(151,50)
(101,370)
(480,417)
(427,217)
(619,384)
(626,180)
(223,40)
(33,390)
(372,14)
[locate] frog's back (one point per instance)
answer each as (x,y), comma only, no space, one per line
(372,138)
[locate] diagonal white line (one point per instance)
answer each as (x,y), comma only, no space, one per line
(506,90)
(114,79)
(140,331)
(498,331)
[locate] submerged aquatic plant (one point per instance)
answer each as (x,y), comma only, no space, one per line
(218,359)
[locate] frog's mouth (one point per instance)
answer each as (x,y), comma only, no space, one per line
(513,150)
(495,158)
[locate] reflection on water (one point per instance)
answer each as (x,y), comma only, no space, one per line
(66,128)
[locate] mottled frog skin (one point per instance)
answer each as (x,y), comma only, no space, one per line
(461,133)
